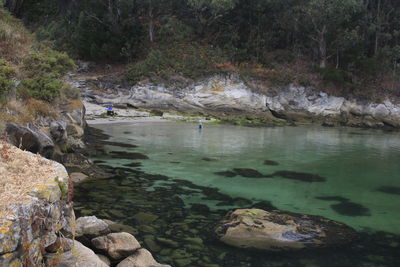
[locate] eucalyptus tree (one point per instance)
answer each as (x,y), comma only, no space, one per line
(324,20)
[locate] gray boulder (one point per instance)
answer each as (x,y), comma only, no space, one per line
(91,226)
(280,231)
(78,256)
(117,245)
(30,138)
(141,258)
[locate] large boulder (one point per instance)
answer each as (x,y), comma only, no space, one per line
(141,258)
(117,245)
(29,138)
(79,256)
(278,231)
(91,226)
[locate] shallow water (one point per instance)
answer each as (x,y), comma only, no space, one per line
(349,175)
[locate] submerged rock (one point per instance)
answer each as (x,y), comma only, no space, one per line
(389,189)
(333,198)
(271,163)
(226,173)
(208,159)
(299,176)
(248,173)
(279,231)
(127,155)
(348,208)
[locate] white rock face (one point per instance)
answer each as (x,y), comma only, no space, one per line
(229,95)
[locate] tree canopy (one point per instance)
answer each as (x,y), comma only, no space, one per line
(357,37)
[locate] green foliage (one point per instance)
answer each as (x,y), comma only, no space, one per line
(351,38)
(43,87)
(6,74)
(192,61)
(46,61)
(70,92)
(43,70)
(175,30)
(336,76)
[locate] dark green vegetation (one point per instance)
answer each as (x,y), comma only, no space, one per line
(347,45)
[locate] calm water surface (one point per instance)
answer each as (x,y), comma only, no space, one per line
(359,172)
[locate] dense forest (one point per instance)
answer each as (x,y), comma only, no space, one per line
(352,46)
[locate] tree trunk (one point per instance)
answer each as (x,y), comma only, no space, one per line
(322,47)
(378,27)
(151,23)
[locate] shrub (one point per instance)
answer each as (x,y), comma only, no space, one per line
(47,60)
(336,76)
(40,108)
(6,74)
(70,92)
(191,61)
(43,87)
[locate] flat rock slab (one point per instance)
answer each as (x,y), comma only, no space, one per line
(279,231)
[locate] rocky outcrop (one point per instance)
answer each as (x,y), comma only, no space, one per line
(216,95)
(38,223)
(280,231)
(229,95)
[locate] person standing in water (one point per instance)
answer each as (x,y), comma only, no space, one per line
(200,124)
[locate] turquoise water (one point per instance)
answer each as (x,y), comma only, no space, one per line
(354,162)
(180,192)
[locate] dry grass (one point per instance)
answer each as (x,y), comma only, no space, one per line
(19,173)
(25,112)
(15,40)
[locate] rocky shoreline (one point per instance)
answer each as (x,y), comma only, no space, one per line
(227,96)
